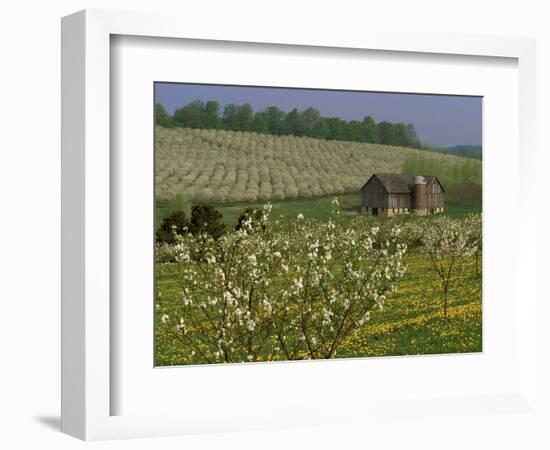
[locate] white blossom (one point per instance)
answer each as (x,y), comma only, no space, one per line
(253,287)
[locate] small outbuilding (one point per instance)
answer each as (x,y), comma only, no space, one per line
(394,193)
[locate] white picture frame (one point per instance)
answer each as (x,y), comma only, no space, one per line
(87,325)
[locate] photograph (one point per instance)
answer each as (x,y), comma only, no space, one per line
(300,224)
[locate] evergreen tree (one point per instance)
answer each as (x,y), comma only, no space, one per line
(205,219)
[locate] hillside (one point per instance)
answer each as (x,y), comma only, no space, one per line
(468,151)
(230,166)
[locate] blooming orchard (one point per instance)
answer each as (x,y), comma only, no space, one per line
(217,166)
(289,288)
(448,244)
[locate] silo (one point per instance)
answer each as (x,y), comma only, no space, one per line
(420,196)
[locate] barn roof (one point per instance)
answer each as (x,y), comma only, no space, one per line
(398,183)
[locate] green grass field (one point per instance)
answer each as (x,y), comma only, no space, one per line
(411,322)
(314,208)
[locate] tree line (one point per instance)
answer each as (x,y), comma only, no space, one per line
(272,120)
(465,151)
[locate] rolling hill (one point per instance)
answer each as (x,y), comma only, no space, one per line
(231,167)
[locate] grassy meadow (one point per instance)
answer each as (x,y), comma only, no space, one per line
(411,323)
(314,208)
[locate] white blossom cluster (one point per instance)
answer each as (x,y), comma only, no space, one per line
(448,243)
(444,238)
(293,288)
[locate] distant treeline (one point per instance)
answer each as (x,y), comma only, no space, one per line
(466,151)
(273,120)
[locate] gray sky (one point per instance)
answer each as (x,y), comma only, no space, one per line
(441,120)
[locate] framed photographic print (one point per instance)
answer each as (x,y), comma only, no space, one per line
(281,229)
(292,225)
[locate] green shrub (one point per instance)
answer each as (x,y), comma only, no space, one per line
(205,219)
(174,223)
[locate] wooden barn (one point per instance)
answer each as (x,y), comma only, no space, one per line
(394,193)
